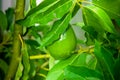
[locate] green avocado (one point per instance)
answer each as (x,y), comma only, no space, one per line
(62,48)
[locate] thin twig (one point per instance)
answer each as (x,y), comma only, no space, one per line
(40,56)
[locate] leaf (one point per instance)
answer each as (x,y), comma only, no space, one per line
(81,59)
(92,35)
(43,6)
(43,16)
(32,71)
(112,7)
(117,69)
(76,8)
(83,73)
(10,17)
(57,71)
(25,62)
(89,39)
(32,42)
(105,60)
(85,59)
(3,66)
(33,3)
(72,76)
(18,74)
(3,20)
(93,17)
(58,28)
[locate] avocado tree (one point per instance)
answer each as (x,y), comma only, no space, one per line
(40,43)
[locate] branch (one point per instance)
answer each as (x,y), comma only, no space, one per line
(19,14)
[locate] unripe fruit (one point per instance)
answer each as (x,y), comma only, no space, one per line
(62,48)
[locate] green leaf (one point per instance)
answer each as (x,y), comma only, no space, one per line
(32,71)
(43,6)
(19,71)
(89,39)
(84,73)
(33,3)
(93,17)
(91,34)
(112,7)
(32,43)
(91,31)
(3,66)
(57,71)
(81,59)
(43,16)
(58,28)
(10,17)
(3,20)
(85,59)
(72,76)
(105,61)
(117,69)
(75,10)
(25,62)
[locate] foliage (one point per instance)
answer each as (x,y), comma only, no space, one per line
(96,58)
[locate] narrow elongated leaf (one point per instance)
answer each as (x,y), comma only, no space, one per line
(25,61)
(105,60)
(43,6)
(97,18)
(43,16)
(83,72)
(76,8)
(58,28)
(19,71)
(3,20)
(112,7)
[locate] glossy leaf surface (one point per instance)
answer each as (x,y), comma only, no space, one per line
(58,28)
(44,13)
(81,59)
(112,7)
(97,18)
(81,73)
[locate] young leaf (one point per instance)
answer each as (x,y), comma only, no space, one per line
(84,73)
(112,7)
(105,60)
(43,16)
(58,28)
(97,18)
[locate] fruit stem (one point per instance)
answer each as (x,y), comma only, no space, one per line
(40,56)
